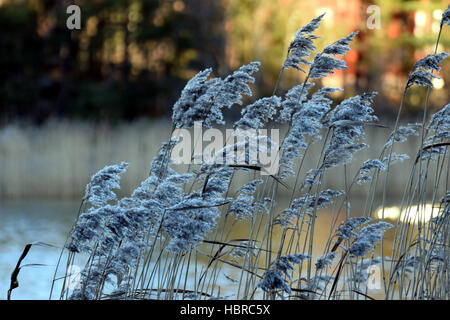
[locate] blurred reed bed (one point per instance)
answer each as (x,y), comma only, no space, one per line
(56,160)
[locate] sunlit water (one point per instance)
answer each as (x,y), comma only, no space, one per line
(49,222)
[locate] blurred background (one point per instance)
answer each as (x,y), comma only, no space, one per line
(73,101)
(131,58)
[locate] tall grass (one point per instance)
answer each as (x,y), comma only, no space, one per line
(172,238)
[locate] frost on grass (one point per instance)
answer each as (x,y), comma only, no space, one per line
(446,17)
(302,46)
(312,201)
(305,122)
(326,260)
(115,234)
(347,122)
(368,238)
(440,123)
(348,229)
(395,157)
(305,115)
(306,205)
(245,250)
(422,74)
(99,190)
(188,224)
(204,100)
(275,279)
(402,134)
(440,127)
(326,62)
(367,168)
(256,115)
(250,188)
(244,205)
(360,236)
(293,100)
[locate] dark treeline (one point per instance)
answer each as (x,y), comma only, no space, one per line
(129,59)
